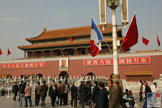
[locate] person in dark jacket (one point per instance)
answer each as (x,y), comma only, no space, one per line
(147,90)
(53,93)
(65,93)
(15,90)
(43,92)
(84,93)
(37,94)
(141,91)
(22,92)
(95,94)
(74,92)
(102,96)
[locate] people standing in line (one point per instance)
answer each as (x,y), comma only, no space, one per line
(22,92)
(95,93)
(65,93)
(53,93)
(102,96)
(74,94)
(43,92)
(60,90)
(37,94)
(147,90)
(141,92)
(28,93)
(113,95)
(15,90)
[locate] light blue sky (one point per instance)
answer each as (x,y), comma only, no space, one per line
(20,19)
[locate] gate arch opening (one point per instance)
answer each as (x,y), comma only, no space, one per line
(64,75)
(91,74)
(39,75)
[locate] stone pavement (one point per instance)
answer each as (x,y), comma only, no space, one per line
(6,102)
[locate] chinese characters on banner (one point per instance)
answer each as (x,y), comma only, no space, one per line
(121,61)
(22,65)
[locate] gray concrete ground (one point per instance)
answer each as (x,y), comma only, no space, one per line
(7,102)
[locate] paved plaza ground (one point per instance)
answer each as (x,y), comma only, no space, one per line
(7,102)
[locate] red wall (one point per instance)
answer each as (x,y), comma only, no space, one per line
(76,68)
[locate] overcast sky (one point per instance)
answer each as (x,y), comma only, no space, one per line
(20,19)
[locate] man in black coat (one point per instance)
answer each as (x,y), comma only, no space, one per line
(74,92)
(22,92)
(84,93)
(147,90)
(43,92)
(95,94)
(53,93)
(15,90)
(102,96)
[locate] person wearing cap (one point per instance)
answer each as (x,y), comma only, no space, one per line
(28,93)
(15,90)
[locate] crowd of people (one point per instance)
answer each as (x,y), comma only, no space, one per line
(94,95)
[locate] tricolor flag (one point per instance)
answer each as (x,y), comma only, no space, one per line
(145,41)
(96,39)
(131,37)
(158,41)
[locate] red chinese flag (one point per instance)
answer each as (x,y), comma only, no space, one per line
(158,41)
(131,37)
(145,41)
(9,52)
(69,39)
(0,52)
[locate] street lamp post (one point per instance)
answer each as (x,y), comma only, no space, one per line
(113,4)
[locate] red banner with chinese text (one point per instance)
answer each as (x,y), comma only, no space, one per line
(121,61)
(22,65)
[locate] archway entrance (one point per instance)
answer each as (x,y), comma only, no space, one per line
(91,74)
(22,76)
(64,75)
(39,75)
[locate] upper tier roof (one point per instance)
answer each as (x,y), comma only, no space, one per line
(63,44)
(68,32)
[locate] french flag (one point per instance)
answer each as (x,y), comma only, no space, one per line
(96,39)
